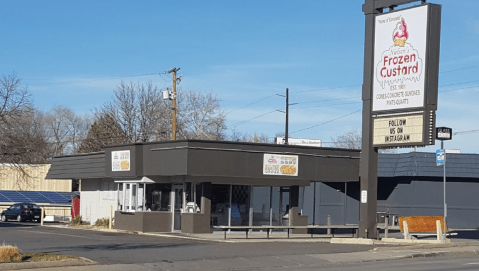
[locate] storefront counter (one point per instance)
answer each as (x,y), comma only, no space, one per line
(143,221)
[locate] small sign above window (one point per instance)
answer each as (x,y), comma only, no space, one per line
(275,164)
(120,160)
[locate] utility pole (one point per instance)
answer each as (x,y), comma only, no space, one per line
(173,102)
(287,115)
(287,118)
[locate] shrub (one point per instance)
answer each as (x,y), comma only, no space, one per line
(77,221)
(103,222)
(8,253)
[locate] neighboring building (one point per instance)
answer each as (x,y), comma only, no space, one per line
(31,178)
(409,184)
(27,183)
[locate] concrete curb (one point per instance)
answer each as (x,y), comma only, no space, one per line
(357,241)
(34,265)
(414,241)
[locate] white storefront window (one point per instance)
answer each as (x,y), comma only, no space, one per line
(131,194)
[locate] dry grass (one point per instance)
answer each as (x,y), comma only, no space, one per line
(103,223)
(11,254)
(8,253)
(42,257)
(78,221)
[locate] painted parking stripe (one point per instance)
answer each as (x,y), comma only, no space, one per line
(54,233)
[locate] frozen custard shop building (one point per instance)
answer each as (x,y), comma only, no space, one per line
(191,185)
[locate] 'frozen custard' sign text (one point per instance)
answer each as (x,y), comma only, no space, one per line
(400,49)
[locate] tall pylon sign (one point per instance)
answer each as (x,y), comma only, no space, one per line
(401,66)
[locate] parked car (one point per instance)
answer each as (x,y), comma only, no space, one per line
(22,212)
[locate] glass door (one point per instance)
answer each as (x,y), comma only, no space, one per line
(284,205)
(178,205)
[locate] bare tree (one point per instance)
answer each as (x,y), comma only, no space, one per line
(24,142)
(15,100)
(200,116)
(350,140)
(244,137)
(144,116)
(19,134)
(139,110)
(65,129)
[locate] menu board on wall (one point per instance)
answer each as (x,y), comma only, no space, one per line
(120,160)
(276,164)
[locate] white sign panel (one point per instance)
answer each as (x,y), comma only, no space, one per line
(300,141)
(400,59)
(120,160)
(364,196)
(275,164)
(406,129)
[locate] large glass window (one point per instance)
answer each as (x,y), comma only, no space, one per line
(193,197)
(261,206)
(220,204)
(131,197)
(240,205)
(158,197)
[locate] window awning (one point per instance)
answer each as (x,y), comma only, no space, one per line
(142,180)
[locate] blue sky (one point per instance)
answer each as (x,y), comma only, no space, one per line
(244,52)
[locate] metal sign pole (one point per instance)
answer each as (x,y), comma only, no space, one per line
(444,182)
(369,154)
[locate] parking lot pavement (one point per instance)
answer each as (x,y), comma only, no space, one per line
(115,250)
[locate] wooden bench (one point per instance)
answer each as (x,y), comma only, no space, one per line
(268,228)
(413,226)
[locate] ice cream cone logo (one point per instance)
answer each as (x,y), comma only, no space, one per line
(400,34)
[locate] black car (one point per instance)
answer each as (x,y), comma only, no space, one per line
(21,212)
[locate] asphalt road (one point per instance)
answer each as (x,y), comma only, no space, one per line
(122,248)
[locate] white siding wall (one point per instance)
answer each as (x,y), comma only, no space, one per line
(97,195)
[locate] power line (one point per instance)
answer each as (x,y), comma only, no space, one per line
(326,122)
(325,105)
(248,120)
(326,88)
(466,132)
(459,88)
(347,98)
(474,67)
(91,80)
(459,83)
(251,103)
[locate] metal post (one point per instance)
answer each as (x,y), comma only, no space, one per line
(314,202)
(110,221)
(229,209)
(386,226)
(250,217)
(271,206)
(42,215)
(444,183)
(328,222)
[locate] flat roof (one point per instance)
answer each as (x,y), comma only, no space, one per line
(212,161)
